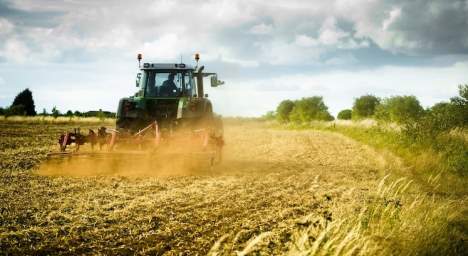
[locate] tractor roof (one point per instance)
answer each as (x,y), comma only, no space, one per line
(166,66)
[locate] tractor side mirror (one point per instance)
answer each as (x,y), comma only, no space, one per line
(138,78)
(215,82)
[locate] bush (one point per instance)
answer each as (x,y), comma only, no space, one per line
(399,109)
(434,130)
(345,114)
(308,109)
(441,118)
(283,110)
(364,106)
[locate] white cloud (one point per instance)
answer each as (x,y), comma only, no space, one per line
(15,50)
(305,41)
(347,59)
(395,13)
(116,37)
(166,48)
(226,13)
(288,53)
(261,29)
(241,62)
(330,34)
(163,7)
(5,26)
(409,27)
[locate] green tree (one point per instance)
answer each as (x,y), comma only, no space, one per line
(25,99)
(399,109)
(283,110)
(364,106)
(69,113)
(55,112)
(308,109)
(345,114)
(77,113)
(2,111)
(44,112)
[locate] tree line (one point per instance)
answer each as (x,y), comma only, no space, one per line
(300,111)
(23,105)
(397,109)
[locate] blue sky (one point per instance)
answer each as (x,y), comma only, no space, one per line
(80,55)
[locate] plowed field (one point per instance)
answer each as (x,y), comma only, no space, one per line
(270,181)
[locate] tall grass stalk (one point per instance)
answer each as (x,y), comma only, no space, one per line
(392,223)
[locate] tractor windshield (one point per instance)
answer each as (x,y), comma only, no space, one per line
(168,83)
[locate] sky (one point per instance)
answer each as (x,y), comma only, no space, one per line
(81,55)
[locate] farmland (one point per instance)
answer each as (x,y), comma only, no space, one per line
(277,192)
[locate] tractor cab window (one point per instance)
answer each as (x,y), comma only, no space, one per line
(167,83)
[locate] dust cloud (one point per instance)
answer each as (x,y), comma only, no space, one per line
(174,161)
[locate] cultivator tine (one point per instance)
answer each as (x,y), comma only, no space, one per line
(92,138)
(112,140)
(63,146)
(157,135)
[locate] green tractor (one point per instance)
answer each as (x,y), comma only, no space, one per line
(169,113)
(170,94)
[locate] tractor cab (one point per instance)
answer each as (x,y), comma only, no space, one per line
(169,93)
(158,80)
(166,81)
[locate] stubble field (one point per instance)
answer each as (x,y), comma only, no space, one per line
(276,192)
